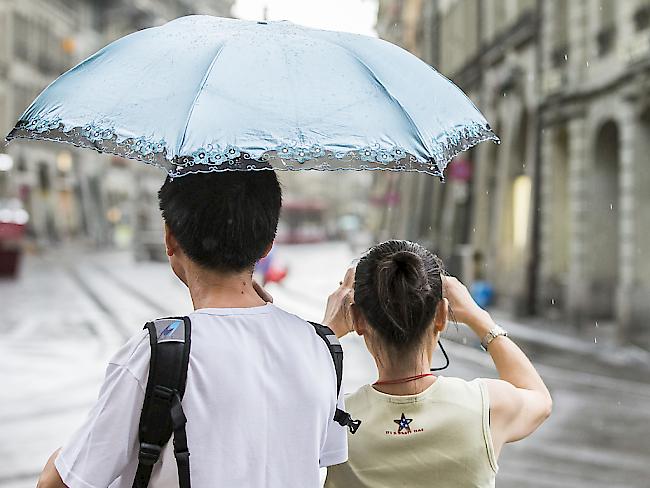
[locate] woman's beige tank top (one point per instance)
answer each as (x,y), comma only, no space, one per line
(440,437)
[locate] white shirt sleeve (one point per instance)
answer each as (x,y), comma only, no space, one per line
(335,447)
(103,452)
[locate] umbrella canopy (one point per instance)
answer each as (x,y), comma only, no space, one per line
(203,94)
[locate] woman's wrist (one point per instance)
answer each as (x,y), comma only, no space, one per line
(481,323)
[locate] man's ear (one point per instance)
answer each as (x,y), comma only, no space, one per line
(267,250)
(440,318)
(171,244)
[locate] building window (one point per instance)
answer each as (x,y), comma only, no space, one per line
(606,36)
(521,194)
(44,182)
(20,37)
(560,50)
(642,17)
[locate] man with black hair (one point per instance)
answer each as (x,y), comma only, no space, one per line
(259,399)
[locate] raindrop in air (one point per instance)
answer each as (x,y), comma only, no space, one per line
(595,340)
(596,323)
(552,301)
(566,56)
(611,206)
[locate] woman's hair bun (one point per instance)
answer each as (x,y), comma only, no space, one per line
(406,257)
(409,265)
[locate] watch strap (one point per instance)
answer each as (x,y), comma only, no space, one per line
(495,332)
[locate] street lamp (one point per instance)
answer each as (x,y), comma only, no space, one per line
(6,162)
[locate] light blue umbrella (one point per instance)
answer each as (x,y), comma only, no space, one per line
(204,94)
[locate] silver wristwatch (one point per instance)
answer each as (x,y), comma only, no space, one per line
(495,332)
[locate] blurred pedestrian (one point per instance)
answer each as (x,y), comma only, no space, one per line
(267,270)
(261,387)
(419,429)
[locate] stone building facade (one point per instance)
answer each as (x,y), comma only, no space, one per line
(557,216)
(58,185)
(71,193)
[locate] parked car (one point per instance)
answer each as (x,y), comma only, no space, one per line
(13,219)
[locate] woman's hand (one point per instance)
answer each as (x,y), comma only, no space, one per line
(338,314)
(462,306)
(262,293)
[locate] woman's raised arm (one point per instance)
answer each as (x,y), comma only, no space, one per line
(519,400)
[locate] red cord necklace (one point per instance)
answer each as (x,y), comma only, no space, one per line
(402,380)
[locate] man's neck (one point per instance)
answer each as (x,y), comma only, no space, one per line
(210,289)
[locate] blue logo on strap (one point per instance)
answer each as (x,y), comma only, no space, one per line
(169,330)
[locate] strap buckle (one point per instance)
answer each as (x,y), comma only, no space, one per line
(148,454)
(354,425)
(163,393)
(183,455)
(344,419)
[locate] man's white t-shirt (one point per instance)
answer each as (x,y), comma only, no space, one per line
(259,401)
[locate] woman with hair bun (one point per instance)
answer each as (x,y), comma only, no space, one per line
(419,429)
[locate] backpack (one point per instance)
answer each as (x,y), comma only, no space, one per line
(162,411)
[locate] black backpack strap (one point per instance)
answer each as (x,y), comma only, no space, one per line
(162,411)
(336,351)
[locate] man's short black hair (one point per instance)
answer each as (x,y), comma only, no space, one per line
(223,221)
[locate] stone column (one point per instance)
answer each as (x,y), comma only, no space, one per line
(548,135)
(579,203)
(628,283)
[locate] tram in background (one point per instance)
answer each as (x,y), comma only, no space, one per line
(303,222)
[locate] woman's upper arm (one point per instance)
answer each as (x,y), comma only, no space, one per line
(515,413)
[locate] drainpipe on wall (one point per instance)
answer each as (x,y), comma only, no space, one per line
(535,251)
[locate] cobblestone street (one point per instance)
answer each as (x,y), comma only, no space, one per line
(72,308)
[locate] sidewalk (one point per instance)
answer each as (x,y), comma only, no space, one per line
(558,343)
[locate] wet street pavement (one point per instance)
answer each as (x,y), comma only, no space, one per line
(71,309)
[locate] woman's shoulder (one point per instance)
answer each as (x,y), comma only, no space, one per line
(358,399)
(461,383)
(460,391)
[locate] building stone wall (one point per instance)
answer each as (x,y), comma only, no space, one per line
(559,213)
(67,191)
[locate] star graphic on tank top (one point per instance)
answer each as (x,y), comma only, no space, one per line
(403,423)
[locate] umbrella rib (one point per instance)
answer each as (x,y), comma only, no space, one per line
(383,87)
(392,97)
(198,93)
